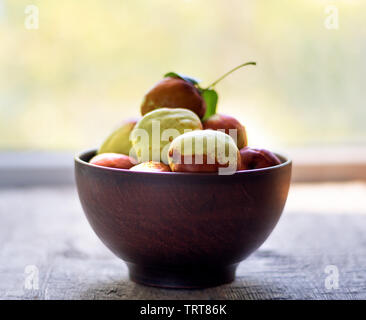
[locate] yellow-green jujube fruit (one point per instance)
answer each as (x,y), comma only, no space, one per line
(119,140)
(153,134)
(204,151)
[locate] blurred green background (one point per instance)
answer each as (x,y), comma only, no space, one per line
(68,84)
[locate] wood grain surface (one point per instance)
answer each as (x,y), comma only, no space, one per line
(45,229)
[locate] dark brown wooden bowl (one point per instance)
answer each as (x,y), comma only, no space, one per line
(182,230)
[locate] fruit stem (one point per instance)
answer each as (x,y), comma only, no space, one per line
(231,71)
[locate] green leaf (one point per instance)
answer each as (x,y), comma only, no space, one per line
(210,96)
(182,76)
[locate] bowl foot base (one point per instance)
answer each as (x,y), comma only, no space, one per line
(182,278)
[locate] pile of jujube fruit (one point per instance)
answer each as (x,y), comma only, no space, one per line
(185,113)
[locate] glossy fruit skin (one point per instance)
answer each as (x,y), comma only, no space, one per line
(118,141)
(204,167)
(113,160)
(155,148)
(252,158)
(174,93)
(225,122)
(151,166)
(209,159)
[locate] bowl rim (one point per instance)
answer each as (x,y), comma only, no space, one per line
(77,158)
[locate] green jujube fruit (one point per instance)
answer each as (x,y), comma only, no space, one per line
(153,134)
(119,140)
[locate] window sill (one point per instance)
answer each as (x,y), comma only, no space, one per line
(56,168)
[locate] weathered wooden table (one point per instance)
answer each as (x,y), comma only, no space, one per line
(317,251)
